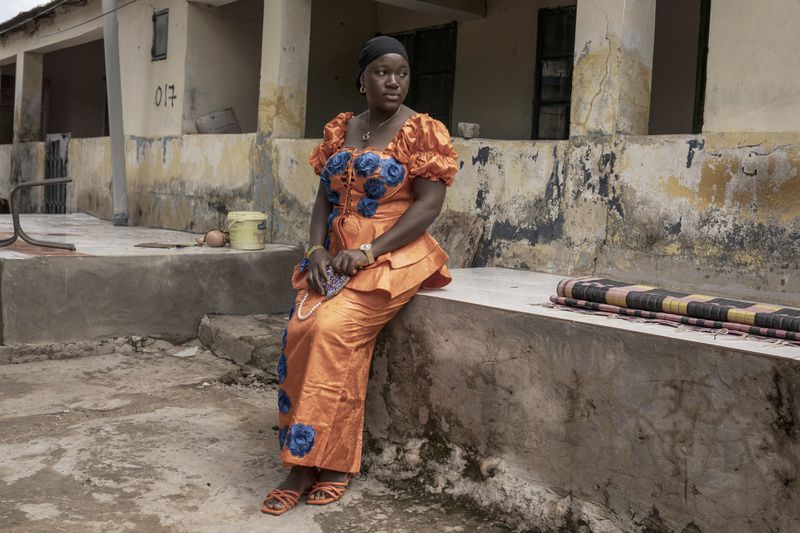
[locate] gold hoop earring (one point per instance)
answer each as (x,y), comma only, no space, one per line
(363,90)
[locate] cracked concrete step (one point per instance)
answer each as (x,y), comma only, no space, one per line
(248,340)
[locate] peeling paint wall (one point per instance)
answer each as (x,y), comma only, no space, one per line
(189,182)
(5,170)
(185,183)
(27,164)
(707,213)
(90,170)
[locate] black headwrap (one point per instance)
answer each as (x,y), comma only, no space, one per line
(375,48)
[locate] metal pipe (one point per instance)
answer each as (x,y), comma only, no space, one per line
(18,233)
(119,182)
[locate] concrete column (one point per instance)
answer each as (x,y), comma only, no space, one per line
(284,68)
(28,98)
(119,181)
(613,67)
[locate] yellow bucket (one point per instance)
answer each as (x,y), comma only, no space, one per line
(248,229)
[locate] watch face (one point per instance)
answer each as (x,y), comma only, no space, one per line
(365,247)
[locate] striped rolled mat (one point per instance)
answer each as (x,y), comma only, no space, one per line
(643,301)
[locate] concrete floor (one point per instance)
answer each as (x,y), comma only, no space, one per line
(145,441)
(97,237)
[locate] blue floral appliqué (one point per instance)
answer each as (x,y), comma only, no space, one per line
(282,436)
(333,197)
(366,164)
(367,207)
(282,368)
(300,439)
(285,338)
(374,188)
(392,171)
(325,180)
(284,403)
(291,311)
(337,163)
(303,265)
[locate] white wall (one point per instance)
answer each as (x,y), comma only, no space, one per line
(223,61)
(142,77)
(338,29)
(753,81)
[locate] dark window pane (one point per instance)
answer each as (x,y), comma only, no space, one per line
(160,30)
(432,55)
(559,34)
(434,51)
(554,58)
(434,93)
(556,79)
(553,121)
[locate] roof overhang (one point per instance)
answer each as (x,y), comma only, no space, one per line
(455,9)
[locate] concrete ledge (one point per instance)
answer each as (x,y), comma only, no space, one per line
(564,420)
(62,299)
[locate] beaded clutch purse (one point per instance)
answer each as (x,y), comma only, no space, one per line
(336,282)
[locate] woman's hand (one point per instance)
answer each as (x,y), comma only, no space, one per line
(317,265)
(348,261)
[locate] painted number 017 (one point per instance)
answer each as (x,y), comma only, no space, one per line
(165,95)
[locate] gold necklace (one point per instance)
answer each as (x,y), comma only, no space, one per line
(366,136)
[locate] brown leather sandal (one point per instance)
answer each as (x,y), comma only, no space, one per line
(287,498)
(333,489)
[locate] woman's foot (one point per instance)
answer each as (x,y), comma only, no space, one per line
(339,481)
(299,480)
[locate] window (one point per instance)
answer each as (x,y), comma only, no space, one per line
(680,51)
(555,49)
(432,55)
(160,29)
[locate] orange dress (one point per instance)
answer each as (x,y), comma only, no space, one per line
(324,366)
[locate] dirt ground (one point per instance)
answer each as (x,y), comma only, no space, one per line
(143,440)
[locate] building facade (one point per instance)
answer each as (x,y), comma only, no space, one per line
(650,140)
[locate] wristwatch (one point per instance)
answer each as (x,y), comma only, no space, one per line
(367,249)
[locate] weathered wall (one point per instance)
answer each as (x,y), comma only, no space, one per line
(753,67)
(338,29)
(90,170)
(713,213)
(223,59)
(580,427)
(27,164)
(5,170)
(184,183)
(189,182)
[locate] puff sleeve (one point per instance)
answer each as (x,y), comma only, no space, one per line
(427,150)
(332,138)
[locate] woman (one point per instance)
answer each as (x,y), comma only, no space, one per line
(383,176)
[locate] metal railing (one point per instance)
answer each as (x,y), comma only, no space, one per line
(18,233)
